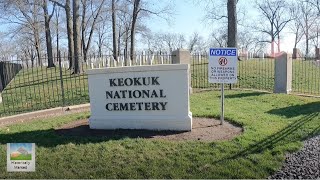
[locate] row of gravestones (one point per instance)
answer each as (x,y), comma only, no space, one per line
(296,54)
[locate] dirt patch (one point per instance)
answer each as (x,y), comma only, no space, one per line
(203,129)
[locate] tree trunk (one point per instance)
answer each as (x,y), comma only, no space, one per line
(87,46)
(272,47)
(232,23)
(136,6)
(37,46)
(296,38)
(307,36)
(83,28)
(47,19)
(100,48)
(119,42)
(70,34)
(114,31)
(278,43)
(125,54)
(307,43)
(76,37)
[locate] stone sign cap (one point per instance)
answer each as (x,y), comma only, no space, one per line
(162,67)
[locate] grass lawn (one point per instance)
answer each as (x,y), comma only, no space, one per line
(274,125)
(22,157)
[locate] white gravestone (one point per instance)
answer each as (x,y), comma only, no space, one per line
(140,97)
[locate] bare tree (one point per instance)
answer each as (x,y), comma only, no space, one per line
(316,4)
(194,38)
(221,37)
(47,19)
(25,17)
(232,23)
(102,34)
(136,10)
(57,16)
(275,13)
(228,13)
(309,17)
(170,39)
(8,48)
(246,39)
(69,23)
(297,24)
(114,29)
(95,12)
(141,7)
(124,24)
(181,41)
(76,37)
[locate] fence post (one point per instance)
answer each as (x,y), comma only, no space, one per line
(182,56)
(61,80)
(295,53)
(283,73)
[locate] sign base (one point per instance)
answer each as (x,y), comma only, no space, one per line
(146,122)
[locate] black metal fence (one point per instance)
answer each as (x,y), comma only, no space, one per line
(306,76)
(257,72)
(253,73)
(37,87)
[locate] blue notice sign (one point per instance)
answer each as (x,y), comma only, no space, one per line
(223,52)
(223,63)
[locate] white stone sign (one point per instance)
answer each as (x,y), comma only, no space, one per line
(223,63)
(140,97)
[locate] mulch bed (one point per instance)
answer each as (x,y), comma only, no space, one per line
(203,129)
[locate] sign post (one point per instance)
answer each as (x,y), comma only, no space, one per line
(223,63)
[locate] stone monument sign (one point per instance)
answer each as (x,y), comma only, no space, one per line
(140,97)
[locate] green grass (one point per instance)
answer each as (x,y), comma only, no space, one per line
(274,124)
(22,157)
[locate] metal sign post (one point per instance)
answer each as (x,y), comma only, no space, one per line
(222,104)
(223,63)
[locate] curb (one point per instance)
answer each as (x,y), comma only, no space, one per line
(58,111)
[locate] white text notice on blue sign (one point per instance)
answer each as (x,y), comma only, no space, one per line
(223,52)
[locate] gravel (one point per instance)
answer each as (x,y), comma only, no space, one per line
(304,164)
